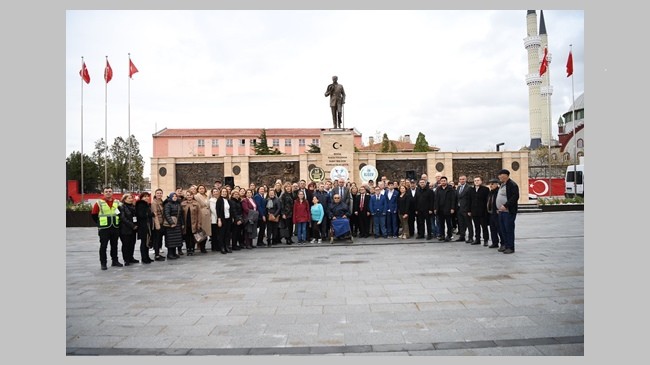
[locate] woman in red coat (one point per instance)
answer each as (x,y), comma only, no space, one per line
(301,216)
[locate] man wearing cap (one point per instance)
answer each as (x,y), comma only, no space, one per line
(493,218)
(507,207)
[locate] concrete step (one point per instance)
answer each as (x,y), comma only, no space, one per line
(529,208)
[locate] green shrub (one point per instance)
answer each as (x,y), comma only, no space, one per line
(80,207)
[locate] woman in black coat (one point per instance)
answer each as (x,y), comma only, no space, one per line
(144,215)
(173,226)
(404,202)
(128,229)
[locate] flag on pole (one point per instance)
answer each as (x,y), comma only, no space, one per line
(569,65)
(84,73)
(108,72)
(544,65)
(132,68)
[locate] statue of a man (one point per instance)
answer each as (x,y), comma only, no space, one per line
(337,99)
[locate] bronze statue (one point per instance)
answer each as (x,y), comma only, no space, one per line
(337,99)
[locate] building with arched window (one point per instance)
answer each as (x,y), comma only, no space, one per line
(571,131)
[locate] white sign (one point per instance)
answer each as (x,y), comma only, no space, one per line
(368,173)
(339,172)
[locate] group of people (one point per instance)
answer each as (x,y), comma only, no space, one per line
(233,218)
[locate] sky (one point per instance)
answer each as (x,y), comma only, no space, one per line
(458,76)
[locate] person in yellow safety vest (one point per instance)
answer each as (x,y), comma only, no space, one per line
(106,214)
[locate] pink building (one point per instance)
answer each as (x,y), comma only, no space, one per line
(217,142)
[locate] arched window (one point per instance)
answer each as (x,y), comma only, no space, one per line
(566,156)
(580,143)
(554,156)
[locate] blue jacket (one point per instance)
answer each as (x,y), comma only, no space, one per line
(392,202)
(261,204)
(378,206)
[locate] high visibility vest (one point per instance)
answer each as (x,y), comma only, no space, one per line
(107,216)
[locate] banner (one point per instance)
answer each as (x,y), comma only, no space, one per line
(543,186)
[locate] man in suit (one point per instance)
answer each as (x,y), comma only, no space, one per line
(260,201)
(424,201)
(361,209)
(464,213)
(412,189)
(392,221)
(479,211)
(378,209)
(444,207)
(337,98)
(343,191)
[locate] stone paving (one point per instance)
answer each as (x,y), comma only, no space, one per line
(372,297)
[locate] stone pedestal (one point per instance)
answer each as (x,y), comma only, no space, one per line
(337,150)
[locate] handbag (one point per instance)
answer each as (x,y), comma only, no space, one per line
(273,217)
(200,236)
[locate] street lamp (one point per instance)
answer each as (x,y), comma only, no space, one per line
(499,145)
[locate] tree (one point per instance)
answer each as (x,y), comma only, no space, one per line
(119,167)
(314,148)
(92,177)
(385,143)
(262,148)
(393,147)
(421,144)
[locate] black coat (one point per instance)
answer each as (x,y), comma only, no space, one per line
(127,213)
(424,200)
(145,219)
(236,211)
(479,201)
(445,200)
(404,204)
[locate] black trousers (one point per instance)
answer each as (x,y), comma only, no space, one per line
(364,224)
(224,234)
(272,232)
(424,219)
(107,235)
(481,225)
(411,223)
(128,246)
(237,235)
(261,224)
(465,224)
(495,231)
(157,240)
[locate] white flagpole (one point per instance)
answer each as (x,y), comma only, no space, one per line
(82,129)
(128,150)
(106,125)
(575,137)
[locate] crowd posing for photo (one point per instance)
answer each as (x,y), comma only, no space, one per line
(233,218)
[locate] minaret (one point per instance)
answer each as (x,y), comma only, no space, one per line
(539,90)
(546,90)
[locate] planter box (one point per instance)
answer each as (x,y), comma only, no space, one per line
(561,207)
(78,219)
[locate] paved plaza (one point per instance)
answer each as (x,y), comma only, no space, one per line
(372,297)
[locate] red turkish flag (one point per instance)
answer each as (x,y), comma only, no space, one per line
(132,68)
(543,187)
(569,65)
(544,65)
(84,73)
(108,72)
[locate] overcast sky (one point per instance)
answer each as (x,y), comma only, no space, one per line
(456,76)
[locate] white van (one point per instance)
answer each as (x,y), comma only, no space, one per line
(574,178)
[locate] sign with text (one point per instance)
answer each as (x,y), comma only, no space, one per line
(368,173)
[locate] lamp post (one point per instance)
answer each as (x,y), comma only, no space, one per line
(499,145)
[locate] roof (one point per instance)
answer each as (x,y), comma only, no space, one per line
(579,103)
(238,132)
(401,147)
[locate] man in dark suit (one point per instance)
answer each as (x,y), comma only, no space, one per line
(479,211)
(343,191)
(424,203)
(260,201)
(378,209)
(444,206)
(464,213)
(361,209)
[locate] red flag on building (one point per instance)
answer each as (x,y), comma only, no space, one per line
(569,65)
(84,73)
(544,65)
(132,68)
(108,72)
